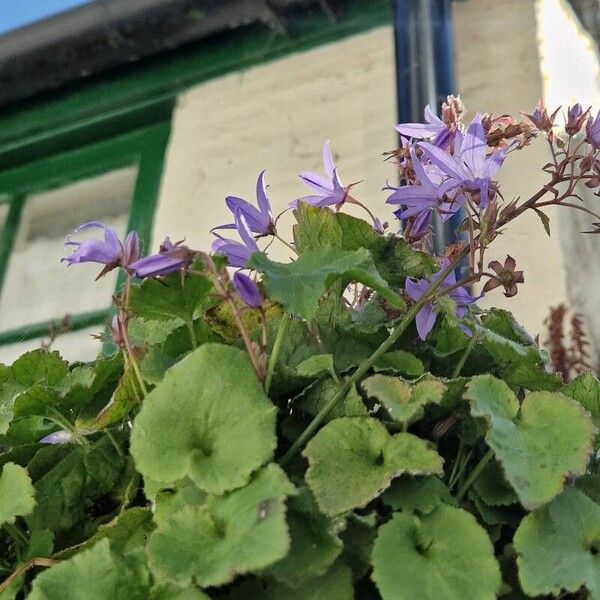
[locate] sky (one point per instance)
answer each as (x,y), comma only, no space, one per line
(16,13)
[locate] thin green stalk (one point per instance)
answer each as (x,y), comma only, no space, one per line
(16,534)
(287,244)
(190,326)
(114,442)
(465,355)
(475,473)
(461,470)
(366,365)
(457,461)
(276,350)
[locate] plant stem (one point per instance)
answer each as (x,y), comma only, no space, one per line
(190,326)
(33,562)
(463,359)
(16,534)
(277,236)
(114,442)
(276,350)
(457,460)
(366,365)
(475,473)
(247,341)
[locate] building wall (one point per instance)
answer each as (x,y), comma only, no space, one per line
(276,117)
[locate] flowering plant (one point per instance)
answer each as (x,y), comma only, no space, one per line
(348,424)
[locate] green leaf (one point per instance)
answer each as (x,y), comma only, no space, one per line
(299,285)
(145,331)
(173,297)
(358,537)
(558,546)
(352,460)
(400,362)
(586,390)
(314,544)
(548,441)
(405,403)
(496,515)
(208,419)
(16,493)
(127,532)
(168,591)
(417,494)
(321,227)
(492,487)
(317,395)
(100,571)
(316,365)
(172,499)
(427,557)
(590,486)
(241,532)
(39,366)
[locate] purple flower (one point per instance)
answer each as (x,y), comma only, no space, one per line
(426,317)
(247,290)
(237,253)
(170,259)
(260,220)
(433,127)
(419,200)
(593,131)
(469,168)
(328,190)
(58,437)
(575,119)
(110,251)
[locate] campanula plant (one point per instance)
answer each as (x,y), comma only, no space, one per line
(348,424)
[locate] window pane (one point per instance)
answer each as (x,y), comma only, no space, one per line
(38,287)
(75,346)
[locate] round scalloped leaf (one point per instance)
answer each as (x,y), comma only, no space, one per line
(586,390)
(352,460)
(109,575)
(208,419)
(444,555)
(548,441)
(16,493)
(314,544)
(238,533)
(168,591)
(558,546)
(405,403)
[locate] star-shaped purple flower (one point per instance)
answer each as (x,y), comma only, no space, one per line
(425,319)
(260,220)
(109,251)
(329,191)
(420,200)
(470,168)
(433,127)
(237,253)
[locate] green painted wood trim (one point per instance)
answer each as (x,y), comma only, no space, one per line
(42,329)
(144,147)
(145,92)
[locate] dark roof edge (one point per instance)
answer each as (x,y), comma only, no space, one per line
(104,34)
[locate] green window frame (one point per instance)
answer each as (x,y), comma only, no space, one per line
(143,148)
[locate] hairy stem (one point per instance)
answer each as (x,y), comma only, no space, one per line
(465,355)
(23,568)
(276,350)
(475,473)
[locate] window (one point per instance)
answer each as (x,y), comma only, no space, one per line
(114,181)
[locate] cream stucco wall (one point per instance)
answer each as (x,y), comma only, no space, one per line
(277,115)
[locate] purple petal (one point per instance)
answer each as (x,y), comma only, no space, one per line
(261,196)
(416,289)
(245,233)
(425,320)
(315,181)
(237,254)
(474,146)
(328,160)
(257,221)
(409,194)
(445,162)
(247,290)
(131,248)
(156,265)
(93,251)
(58,437)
